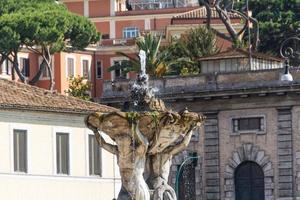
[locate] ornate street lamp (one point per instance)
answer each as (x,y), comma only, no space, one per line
(288,52)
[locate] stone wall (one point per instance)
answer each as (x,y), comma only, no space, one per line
(285,154)
(222,97)
(211,157)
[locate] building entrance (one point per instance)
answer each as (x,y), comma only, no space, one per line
(249,182)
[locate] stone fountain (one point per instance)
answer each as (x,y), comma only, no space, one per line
(146,138)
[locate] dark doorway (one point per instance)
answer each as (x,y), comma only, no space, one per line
(249,182)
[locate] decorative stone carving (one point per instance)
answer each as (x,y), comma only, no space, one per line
(249,152)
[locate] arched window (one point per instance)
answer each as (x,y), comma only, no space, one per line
(249,182)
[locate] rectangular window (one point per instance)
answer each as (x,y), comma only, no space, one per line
(86,69)
(45,73)
(20,150)
(62,153)
(105,36)
(94,157)
(99,69)
(118,74)
(24,66)
(248,124)
(8,67)
(130,32)
(70,67)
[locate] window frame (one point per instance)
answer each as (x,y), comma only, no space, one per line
(70,132)
(17,169)
(86,58)
(130,32)
(21,60)
(6,68)
(101,66)
(19,126)
(40,59)
(88,158)
(67,67)
(112,62)
(256,131)
(68,153)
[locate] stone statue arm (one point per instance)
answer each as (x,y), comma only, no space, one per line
(177,148)
(105,145)
(101,141)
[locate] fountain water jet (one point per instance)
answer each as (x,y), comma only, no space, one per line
(146,139)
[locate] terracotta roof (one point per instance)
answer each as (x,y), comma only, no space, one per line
(200,13)
(20,96)
(240,53)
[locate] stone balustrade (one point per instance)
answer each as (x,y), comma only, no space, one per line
(203,84)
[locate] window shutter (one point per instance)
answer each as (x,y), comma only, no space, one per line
(27,67)
(94,157)
(99,69)
(62,153)
(20,150)
(91,155)
(97,158)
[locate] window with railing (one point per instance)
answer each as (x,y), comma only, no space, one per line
(130,32)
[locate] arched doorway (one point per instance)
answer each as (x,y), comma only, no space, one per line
(249,182)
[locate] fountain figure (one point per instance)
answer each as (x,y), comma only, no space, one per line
(146,138)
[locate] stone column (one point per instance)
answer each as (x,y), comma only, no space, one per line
(285,154)
(112,7)
(86,8)
(211,157)
(297,184)
(112,29)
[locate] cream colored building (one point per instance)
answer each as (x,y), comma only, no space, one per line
(37,163)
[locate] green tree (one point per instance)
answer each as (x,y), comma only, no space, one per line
(44,28)
(278,20)
(79,87)
(156,64)
(197,42)
(55,30)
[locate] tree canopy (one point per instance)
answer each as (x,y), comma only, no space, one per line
(196,43)
(43,27)
(156,64)
(179,57)
(277,19)
(79,87)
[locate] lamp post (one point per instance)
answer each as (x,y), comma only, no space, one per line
(288,52)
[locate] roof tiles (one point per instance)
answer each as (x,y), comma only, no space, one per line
(16,95)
